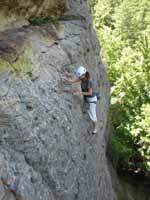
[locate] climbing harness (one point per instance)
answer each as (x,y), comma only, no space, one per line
(98,96)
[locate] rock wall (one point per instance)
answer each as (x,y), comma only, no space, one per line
(17,12)
(45,138)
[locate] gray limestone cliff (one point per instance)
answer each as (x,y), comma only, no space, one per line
(45,137)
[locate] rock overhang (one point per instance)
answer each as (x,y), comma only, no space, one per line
(17,12)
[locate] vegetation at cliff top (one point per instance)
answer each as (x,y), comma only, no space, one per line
(123,27)
(39,21)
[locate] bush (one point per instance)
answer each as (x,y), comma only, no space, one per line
(39,21)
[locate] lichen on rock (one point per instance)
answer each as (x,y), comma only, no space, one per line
(16,53)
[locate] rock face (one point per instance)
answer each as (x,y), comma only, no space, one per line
(45,137)
(17,12)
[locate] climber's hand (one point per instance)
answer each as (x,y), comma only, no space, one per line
(66,80)
(79,93)
(11,180)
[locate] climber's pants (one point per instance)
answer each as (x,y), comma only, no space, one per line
(92,108)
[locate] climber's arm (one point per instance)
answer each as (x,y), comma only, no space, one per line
(73,80)
(89,93)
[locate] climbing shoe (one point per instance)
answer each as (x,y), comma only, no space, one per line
(94,131)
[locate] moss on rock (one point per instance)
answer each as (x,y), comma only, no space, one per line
(22,64)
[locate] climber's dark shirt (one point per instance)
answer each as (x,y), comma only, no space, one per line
(85,86)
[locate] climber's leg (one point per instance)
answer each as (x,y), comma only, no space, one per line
(94,127)
(92,115)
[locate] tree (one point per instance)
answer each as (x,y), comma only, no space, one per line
(123,28)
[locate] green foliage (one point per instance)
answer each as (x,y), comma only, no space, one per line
(39,21)
(120,154)
(140,131)
(54,19)
(123,27)
(132,18)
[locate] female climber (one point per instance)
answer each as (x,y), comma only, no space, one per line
(83,76)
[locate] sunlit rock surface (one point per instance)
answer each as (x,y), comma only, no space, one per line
(46,140)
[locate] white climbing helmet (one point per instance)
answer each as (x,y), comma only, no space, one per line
(80,71)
